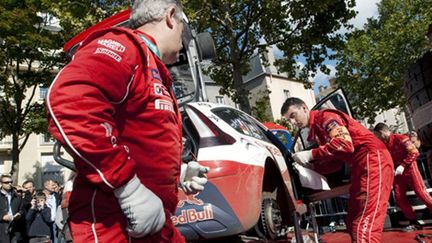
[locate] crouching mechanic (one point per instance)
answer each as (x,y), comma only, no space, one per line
(343,138)
(404,154)
(114,110)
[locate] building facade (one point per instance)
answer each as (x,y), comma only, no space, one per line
(265,80)
(36,159)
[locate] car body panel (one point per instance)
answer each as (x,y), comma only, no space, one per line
(236,171)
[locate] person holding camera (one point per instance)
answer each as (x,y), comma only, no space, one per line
(39,220)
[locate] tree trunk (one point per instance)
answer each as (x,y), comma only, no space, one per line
(242,93)
(15,158)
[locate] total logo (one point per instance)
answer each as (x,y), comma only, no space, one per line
(192,215)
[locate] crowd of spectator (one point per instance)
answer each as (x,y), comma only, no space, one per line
(34,215)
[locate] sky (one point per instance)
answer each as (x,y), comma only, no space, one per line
(366,9)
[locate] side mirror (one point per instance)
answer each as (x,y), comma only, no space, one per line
(206,47)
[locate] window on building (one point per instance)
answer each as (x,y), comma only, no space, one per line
(220,100)
(42,92)
(286,93)
(47,139)
(50,169)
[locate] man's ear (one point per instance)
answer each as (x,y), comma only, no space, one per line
(170,17)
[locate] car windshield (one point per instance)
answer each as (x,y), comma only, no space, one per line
(181,71)
(181,74)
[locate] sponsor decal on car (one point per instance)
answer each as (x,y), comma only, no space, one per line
(275,151)
(190,199)
(112,44)
(214,117)
(204,104)
(192,215)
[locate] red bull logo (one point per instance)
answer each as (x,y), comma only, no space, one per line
(190,199)
(192,215)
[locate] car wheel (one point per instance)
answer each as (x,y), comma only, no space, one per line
(270,223)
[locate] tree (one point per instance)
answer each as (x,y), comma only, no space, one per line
(373,64)
(28,54)
(261,110)
(241,28)
(31,54)
(76,16)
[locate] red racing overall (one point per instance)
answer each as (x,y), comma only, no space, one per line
(114,110)
(404,153)
(371,170)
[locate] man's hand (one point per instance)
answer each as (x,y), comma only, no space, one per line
(8,218)
(142,208)
(303,158)
(33,203)
(399,170)
(193,177)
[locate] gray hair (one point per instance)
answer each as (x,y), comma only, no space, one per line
(146,11)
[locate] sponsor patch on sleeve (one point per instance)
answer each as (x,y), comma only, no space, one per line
(331,125)
(109,53)
(407,142)
(164,105)
(112,44)
(160,89)
(409,145)
(155,74)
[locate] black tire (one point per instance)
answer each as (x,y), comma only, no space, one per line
(270,225)
(207,50)
(418,90)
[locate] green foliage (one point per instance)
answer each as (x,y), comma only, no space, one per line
(240,28)
(284,122)
(261,110)
(28,55)
(75,16)
(375,60)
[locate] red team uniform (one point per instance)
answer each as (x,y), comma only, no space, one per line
(404,153)
(114,110)
(371,170)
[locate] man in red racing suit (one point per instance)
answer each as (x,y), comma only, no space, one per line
(404,154)
(343,138)
(114,110)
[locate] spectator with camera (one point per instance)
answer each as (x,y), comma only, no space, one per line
(29,192)
(39,219)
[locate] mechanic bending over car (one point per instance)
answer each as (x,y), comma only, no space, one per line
(114,109)
(343,138)
(404,153)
